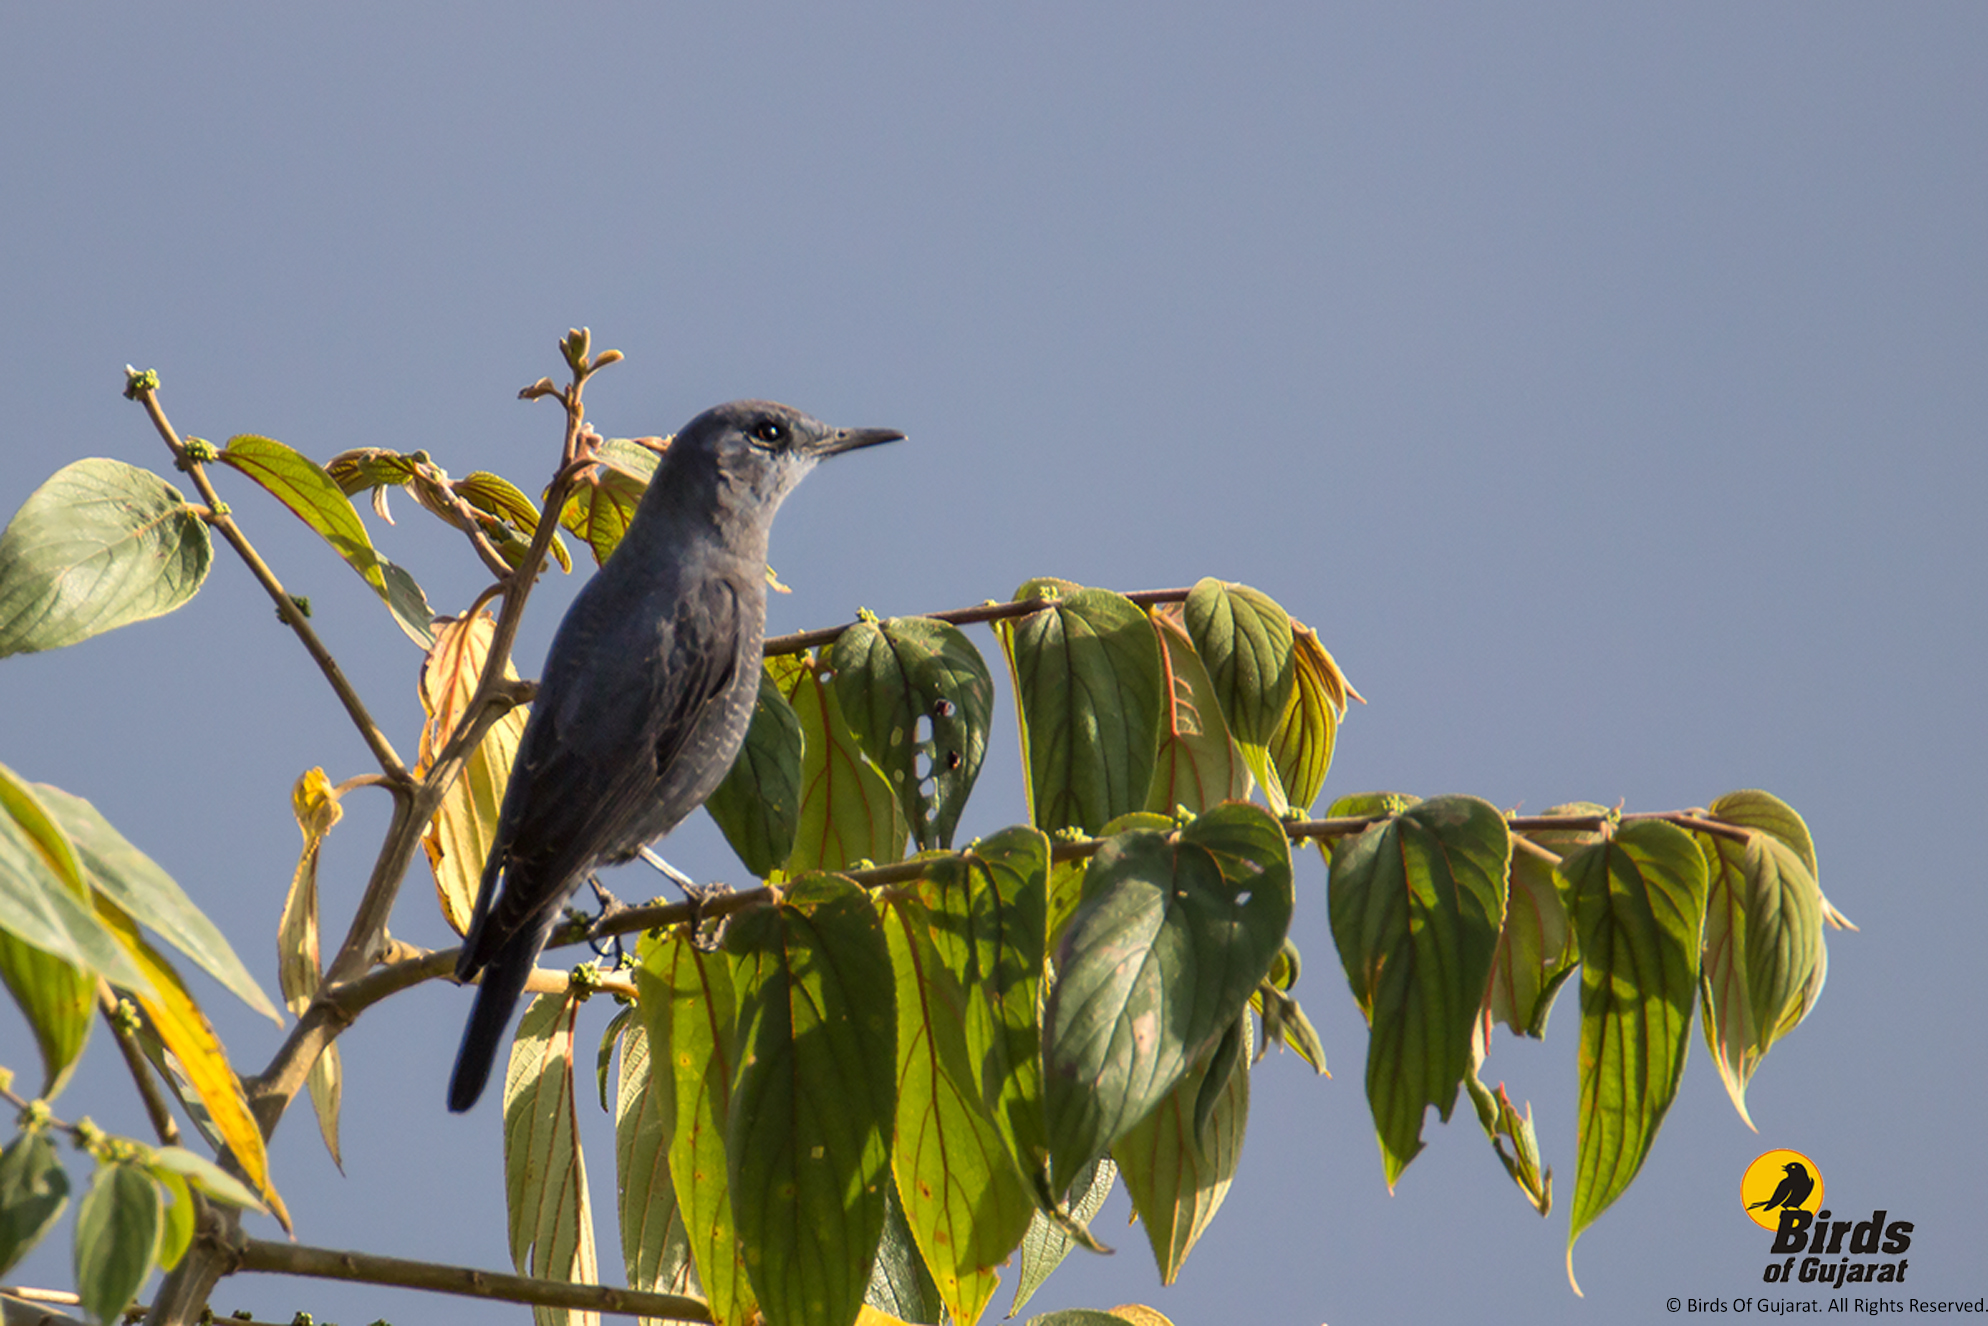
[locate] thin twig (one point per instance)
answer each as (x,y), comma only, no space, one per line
(139,1066)
(983,612)
(218,518)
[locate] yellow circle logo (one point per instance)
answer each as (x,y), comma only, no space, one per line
(1780,1181)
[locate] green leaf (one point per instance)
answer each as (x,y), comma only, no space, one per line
(807,1144)
(759,803)
(138,885)
(1048,1241)
(1536,951)
(312,495)
(205,1175)
(100,545)
(896,677)
(1198,765)
(1088,683)
(408,604)
(605,498)
(1371,803)
(545,1176)
(900,1285)
(655,1245)
(45,900)
(497,496)
(176,1218)
(985,911)
(963,1197)
(1754,809)
(1301,748)
(1244,639)
(685,998)
(118,1225)
(33,1191)
(58,997)
(1416,902)
(1178,1166)
(848,812)
(1173,934)
(1761,953)
(1639,908)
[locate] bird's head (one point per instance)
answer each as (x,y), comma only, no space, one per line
(759,450)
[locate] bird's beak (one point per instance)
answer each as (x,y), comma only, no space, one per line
(853,439)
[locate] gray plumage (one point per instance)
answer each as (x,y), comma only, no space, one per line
(645,696)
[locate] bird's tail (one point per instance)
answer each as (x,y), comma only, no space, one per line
(503,982)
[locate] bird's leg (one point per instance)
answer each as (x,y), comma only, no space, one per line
(611,907)
(670,872)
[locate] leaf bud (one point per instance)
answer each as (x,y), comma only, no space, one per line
(139,381)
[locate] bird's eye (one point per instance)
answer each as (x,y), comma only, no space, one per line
(770,432)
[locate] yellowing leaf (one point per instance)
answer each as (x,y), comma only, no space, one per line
(299,962)
(459,837)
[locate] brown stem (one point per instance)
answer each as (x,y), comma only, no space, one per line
(140,1067)
(983,612)
(328,1264)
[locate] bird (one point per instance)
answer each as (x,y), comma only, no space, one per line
(645,695)
(1792,1190)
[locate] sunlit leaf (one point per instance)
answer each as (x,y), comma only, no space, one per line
(301,484)
(205,1175)
(460,836)
(1536,950)
(848,811)
(1416,902)
(545,1176)
(299,962)
(100,545)
(1087,677)
(605,497)
(1755,809)
(1301,748)
(963,1197)
(1244,639)
(807,1145)
(685,998)
(759,804)
(137,884)
(497,496)
(1198,765)
(897,680)
(1639,908)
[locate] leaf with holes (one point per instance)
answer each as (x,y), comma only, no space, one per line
(102,544)
(1416,901)
(898,676)
(1086,671)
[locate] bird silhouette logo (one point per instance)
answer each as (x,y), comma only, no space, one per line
(1780,1181)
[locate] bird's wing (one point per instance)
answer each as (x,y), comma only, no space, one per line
(599,760)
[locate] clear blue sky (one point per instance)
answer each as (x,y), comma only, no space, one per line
(1606,385)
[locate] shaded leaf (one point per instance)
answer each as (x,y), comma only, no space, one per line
(118,1224)
(299,962)
(685,999)
(460,836)
(897,677)
(545,1176)
(1416,903)
(1536,950)
(176,1218)
(1173,934)
(759,804)
(408,604)
(1086,672)
(1503,1123)
(58,999)
(102,544)
(901,1291)
(1197,765)
(137,884)
(1179,1160)
(848,812)
(1639,908)
(962,1194)
(807,1144)
(33,1191)
(1244,639)
(205,1175)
